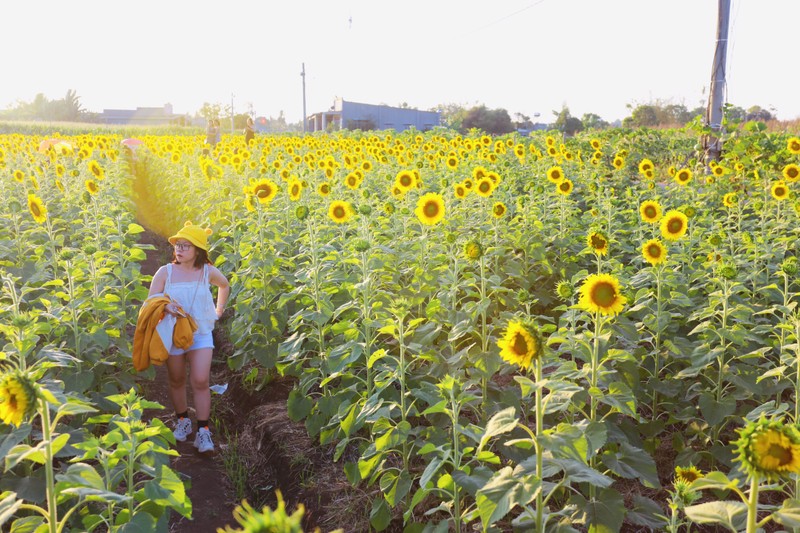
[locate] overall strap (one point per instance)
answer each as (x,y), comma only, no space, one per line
(205,274)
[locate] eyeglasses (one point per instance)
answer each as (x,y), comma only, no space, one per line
(183,246)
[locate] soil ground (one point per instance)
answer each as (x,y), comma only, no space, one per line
(263,449)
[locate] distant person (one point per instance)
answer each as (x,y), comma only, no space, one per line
(249,131)
(211,134)
(218,129)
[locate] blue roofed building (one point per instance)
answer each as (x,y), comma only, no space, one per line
(357,116)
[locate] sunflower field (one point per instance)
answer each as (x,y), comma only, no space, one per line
(532,334)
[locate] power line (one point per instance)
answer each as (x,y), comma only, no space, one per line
(505,17)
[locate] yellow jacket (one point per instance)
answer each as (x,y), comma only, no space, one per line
(148,346)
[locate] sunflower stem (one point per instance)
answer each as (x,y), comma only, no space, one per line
(537,367)
(47,434)
(752,506)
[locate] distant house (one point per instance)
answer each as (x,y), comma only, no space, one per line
(146,116)
(353,115)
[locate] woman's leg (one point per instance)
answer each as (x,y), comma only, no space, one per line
(199,375)
(176,372)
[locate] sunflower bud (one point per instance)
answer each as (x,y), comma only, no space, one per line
(365,209)
(14,205)
(790,266)
(473,250)
(67,254)
(564,290)
(361,245)
(727,271)
(388,207)
(301,212)
(90,249)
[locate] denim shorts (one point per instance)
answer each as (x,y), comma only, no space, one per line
(201,340)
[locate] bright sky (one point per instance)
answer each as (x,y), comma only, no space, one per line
(528,56)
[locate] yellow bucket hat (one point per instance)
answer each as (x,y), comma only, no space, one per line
(194,234)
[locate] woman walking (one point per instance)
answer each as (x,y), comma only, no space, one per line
(187,281)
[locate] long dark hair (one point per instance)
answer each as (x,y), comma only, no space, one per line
(200,257)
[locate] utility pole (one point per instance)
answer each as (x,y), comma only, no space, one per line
(303,75)
(712,142)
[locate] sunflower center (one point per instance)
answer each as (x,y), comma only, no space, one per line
(338,211)
(520,345)
(654,251)
(604,294)
(35,210)
(675,225)
(780,191)
(598,242)
(263,192)
(650,211)
(564,186)
(405,181)
(431,209)
(782,454)
(484,187)
(499,210)
(792,172)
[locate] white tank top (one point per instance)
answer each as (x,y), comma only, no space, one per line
(195,298)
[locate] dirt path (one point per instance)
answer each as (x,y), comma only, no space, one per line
(212,501)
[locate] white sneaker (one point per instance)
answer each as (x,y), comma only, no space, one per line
(183,428)
(203,441)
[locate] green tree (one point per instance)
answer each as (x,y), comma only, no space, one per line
(452,115)
(566,123)
(591,121)
(493,121)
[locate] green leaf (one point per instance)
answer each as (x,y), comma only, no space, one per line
(730,514)
(504,492)
(502,422)
(381,514)
(605,514)
(140,521)
(713,411)
(788,515)
(395,488)
(633,463)
(714,480)
(298,405)
(167,490)
(8,506)
(13,438)
(134,229)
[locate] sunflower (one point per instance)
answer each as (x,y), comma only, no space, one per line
(650,211)
(564,187)
(555,174)
(430,208)
(674,225)
(683,176)
(460,191)
(96,170)
(60,185)
(730,199)
(484,187)
(719,170)
(17,398)
(473,250)
(618,162)
(265,190)
(495,177)
(324,188)
(595,144)
(248,203)
(597,242)
(521,344)
(479,172)
(779,190)
(405,180)
(352,181)
(645,165)
(600,293)
(654,252)
(19,176)
(791,172)
(498,210)
(672,171)
(37,208)
(340,212)
(452,162)
(91,186)
(366,166)
(295,189)
(688,473)
(768,449)
(793,145)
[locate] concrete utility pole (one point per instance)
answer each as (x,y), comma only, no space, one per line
(712,142)
(303,75)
